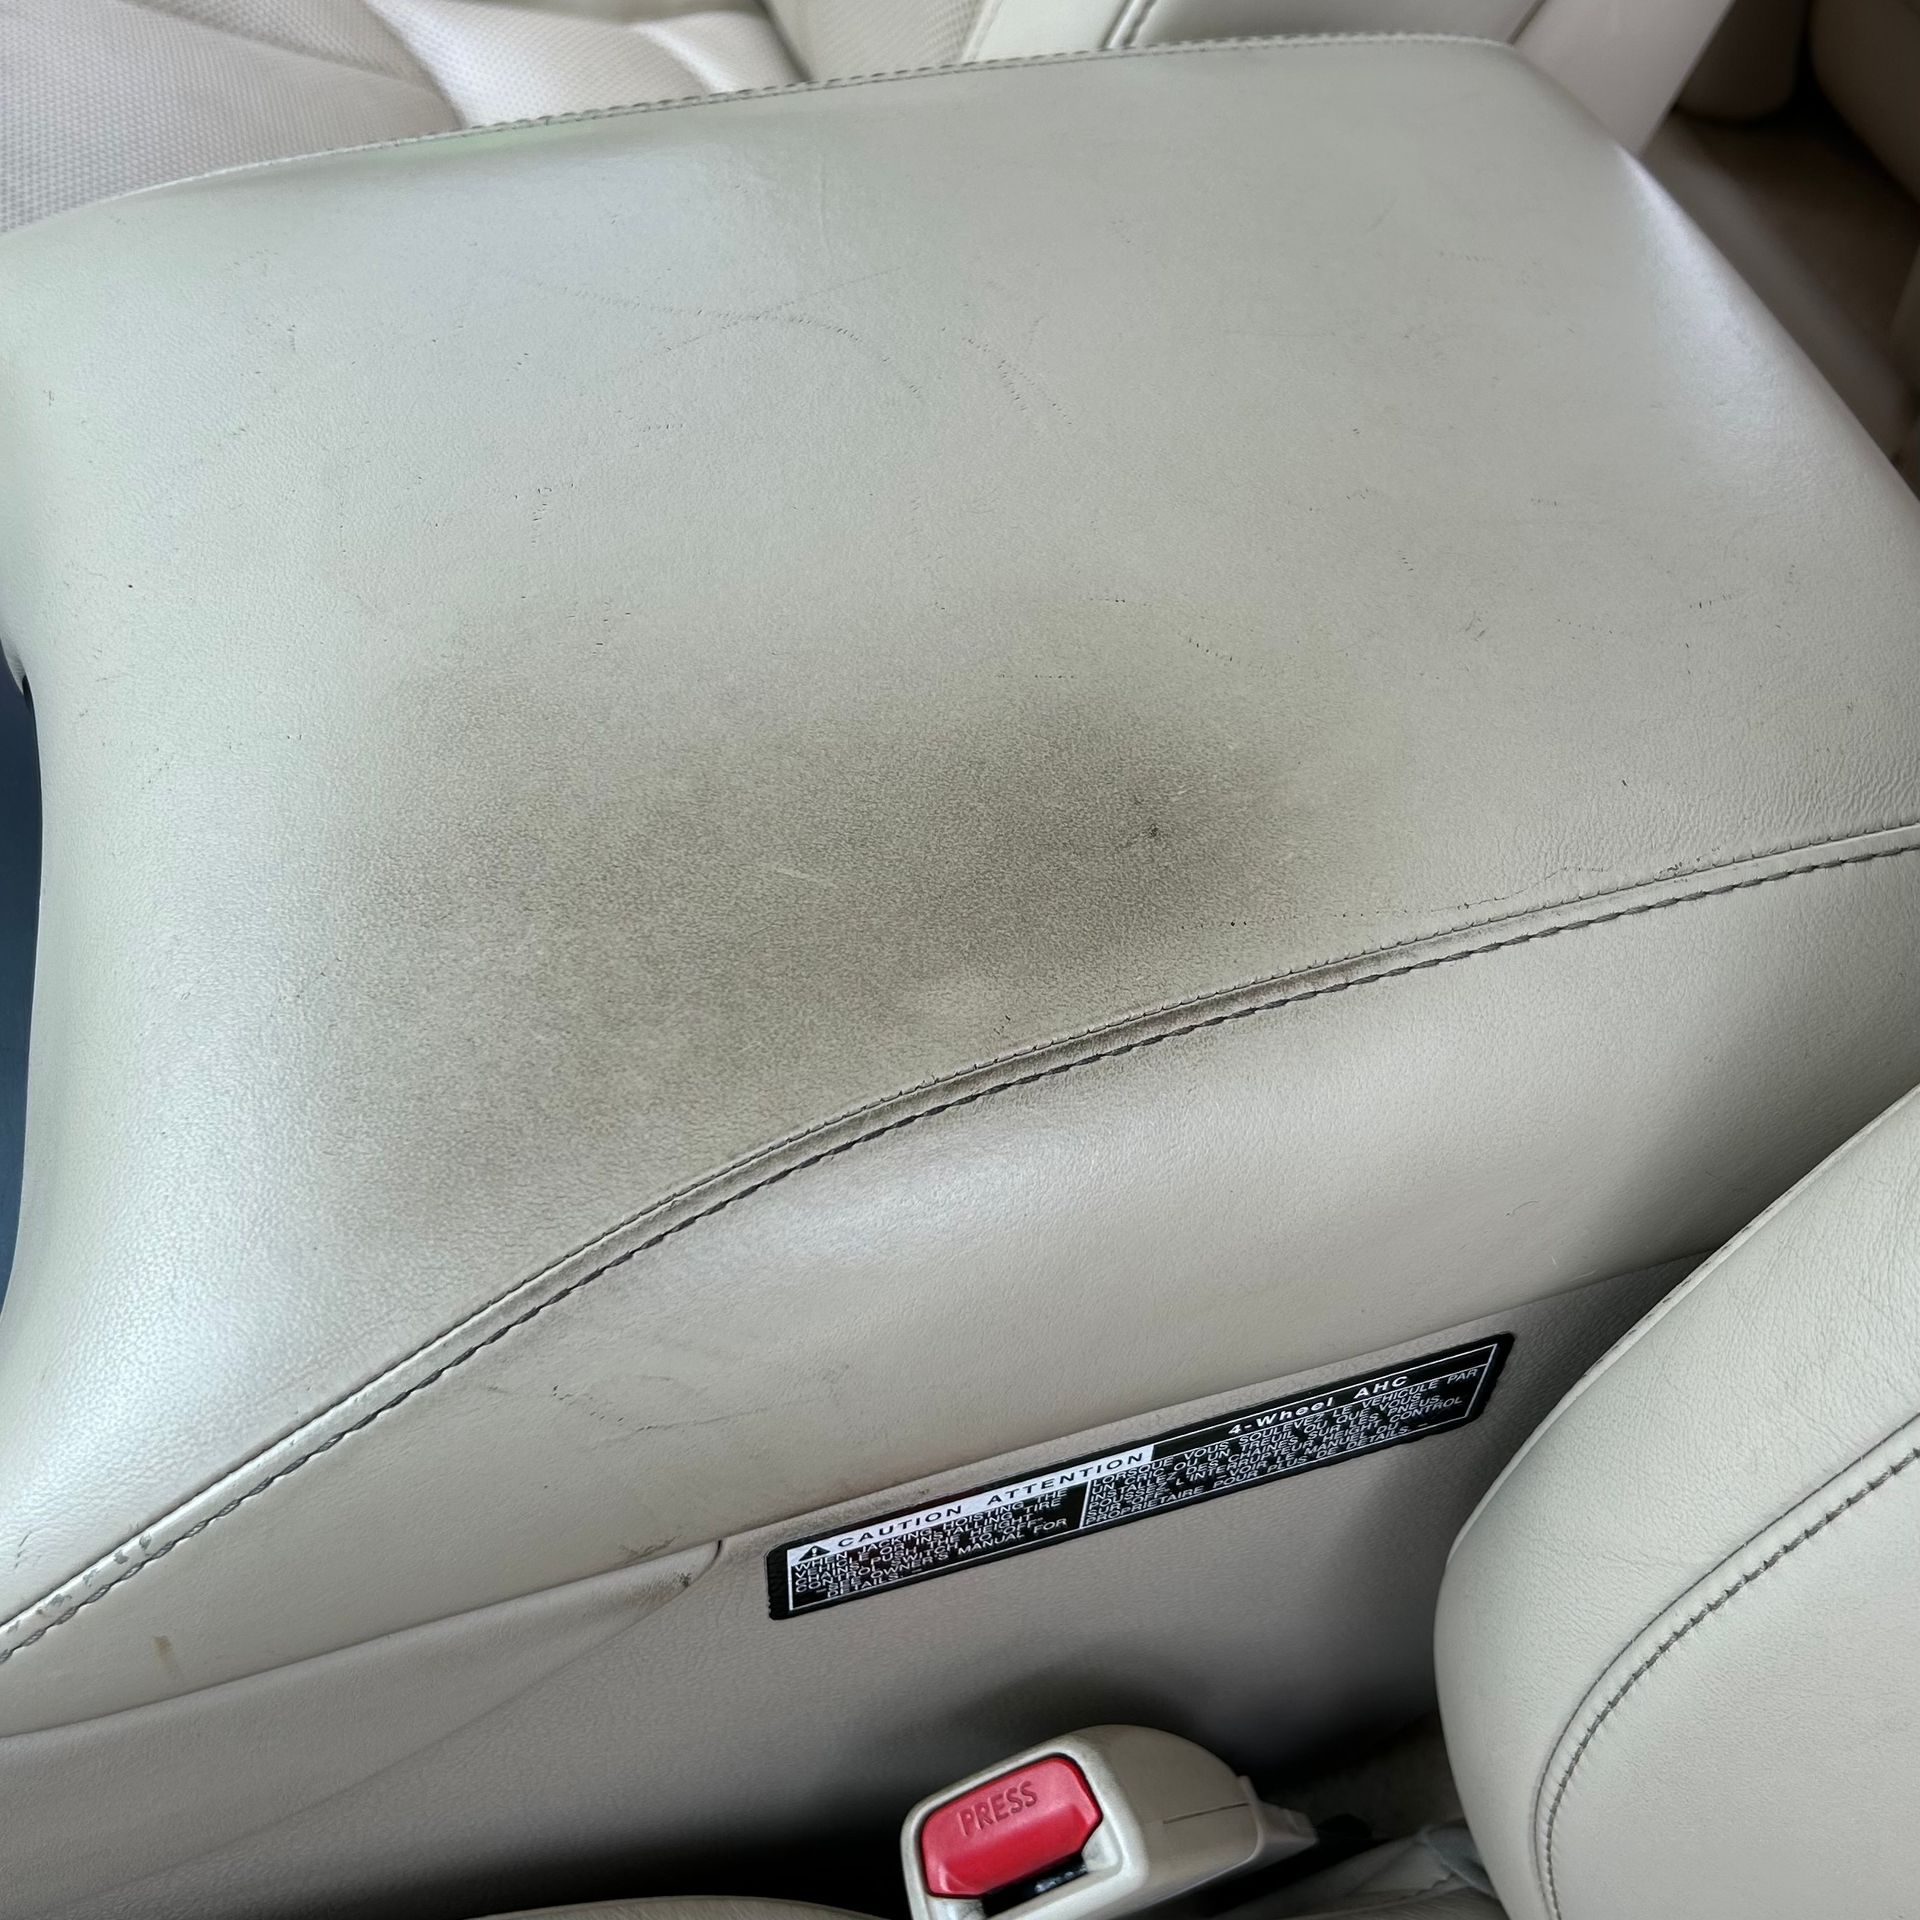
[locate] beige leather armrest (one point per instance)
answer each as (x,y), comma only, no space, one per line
(752,799)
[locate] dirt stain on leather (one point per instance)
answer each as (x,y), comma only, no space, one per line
(699,894)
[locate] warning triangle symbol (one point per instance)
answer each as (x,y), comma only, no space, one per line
(814,1553)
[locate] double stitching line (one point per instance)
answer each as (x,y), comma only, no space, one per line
(1012,62)
(1713,1606)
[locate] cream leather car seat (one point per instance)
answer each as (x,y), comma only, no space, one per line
(1676,1641)
(104,96)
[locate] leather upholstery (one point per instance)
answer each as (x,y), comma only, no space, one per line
(462,1758)
(836,39)
(628,1007)
(103,96)
(1676,1645)
(98,97)
(735,813)
(495,62)
(1624,60)
(1698,1703)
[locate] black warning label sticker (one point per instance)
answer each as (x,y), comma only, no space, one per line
(1178,1469)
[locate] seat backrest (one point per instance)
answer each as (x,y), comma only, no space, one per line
(1677,1654)
(1623,60)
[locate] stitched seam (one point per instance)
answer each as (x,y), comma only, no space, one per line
(1699,1618)
(773,1179)
(341,61)
(1161,1009)
(1354,955)
(1271,44)
(1300,43)
(1708,1263)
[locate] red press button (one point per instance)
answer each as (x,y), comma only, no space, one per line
(1008,1829)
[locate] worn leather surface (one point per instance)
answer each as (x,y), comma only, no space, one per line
(728,799)
(1675,1643)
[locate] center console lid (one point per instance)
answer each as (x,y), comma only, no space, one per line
(757,798)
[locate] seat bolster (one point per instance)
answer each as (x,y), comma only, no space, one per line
(1702,1563)
(98,97)
(498,63)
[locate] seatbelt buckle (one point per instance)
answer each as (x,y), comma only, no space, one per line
(1092,1825)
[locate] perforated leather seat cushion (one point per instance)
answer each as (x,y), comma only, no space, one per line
(99,97)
